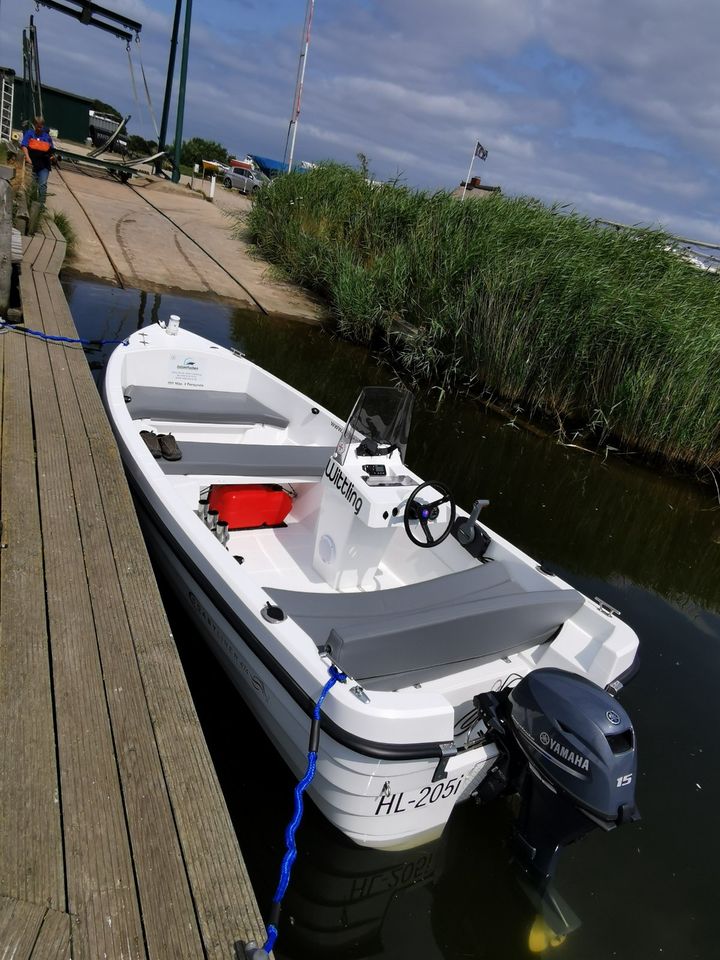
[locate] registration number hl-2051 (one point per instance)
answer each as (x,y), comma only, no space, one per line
(400,802)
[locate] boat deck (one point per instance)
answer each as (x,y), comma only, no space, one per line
(115,840)
(283,557)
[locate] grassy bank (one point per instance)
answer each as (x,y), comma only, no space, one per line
(608,332)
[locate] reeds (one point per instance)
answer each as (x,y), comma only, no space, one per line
(610,332)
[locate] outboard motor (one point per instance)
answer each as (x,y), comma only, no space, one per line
(568,749)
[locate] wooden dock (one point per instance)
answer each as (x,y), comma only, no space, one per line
(115,840)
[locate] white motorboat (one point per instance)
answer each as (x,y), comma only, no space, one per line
(299,544)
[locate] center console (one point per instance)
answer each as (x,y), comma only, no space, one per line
(363,500)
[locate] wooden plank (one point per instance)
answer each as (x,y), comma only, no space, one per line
(51,229)
(224,898)
(31,855)
(58,258)
(169,920)
(55,938)
(44,254)
(30,931)
(20,924)
(55,261)
(100,882)
(33,249)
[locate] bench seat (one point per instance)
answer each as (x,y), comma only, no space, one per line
(188,405)
(393,638)
(248,460)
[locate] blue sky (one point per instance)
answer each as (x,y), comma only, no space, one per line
(613,107)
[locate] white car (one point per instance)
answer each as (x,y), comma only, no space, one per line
(246,181)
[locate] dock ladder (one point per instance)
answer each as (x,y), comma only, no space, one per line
(7,93)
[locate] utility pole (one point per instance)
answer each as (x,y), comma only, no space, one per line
(181,91)
(292,128)
(168,84)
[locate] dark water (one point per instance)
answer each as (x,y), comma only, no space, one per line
(648,545)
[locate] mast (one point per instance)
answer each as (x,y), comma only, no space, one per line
(292,128)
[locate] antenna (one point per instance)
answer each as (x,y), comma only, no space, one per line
(292,128)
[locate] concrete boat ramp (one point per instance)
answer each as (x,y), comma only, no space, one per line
(163,237)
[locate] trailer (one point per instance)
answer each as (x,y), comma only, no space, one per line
(107,132)
(116,168)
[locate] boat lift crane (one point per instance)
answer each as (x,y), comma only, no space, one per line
(94,15)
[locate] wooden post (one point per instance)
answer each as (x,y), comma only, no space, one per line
(6,174)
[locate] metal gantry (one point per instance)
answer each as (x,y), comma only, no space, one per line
(94,15)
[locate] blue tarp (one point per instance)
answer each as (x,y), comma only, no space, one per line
(269,167)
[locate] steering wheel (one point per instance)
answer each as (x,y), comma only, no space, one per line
(424,512)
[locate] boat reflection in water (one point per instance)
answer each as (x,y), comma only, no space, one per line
(436,901)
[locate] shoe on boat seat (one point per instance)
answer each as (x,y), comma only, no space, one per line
(151,442)
(168,447)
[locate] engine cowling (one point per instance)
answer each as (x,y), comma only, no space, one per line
(579,739)
(568,749)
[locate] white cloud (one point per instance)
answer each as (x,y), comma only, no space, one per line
(614,108)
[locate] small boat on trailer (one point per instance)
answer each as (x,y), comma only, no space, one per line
(302,546)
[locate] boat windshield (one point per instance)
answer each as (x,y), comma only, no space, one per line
(380,422)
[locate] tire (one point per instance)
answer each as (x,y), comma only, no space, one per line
(227,182)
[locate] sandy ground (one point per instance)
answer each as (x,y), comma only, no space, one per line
(158,236)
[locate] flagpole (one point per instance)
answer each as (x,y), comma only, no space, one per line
(472,160)
(304,44)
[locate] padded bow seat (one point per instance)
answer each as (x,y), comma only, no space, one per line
(188,405)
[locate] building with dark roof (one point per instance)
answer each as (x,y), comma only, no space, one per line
(68,113)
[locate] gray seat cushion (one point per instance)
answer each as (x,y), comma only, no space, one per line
(248,460)
(188,405)
(393,638)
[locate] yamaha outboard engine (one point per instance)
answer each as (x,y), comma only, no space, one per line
(568,749)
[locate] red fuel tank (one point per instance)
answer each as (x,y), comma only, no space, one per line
(247,505)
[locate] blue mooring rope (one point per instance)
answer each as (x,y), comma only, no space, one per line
(291,851)
(57,339)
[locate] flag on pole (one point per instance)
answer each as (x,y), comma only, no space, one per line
(480,151)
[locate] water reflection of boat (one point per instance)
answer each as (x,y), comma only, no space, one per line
(431,902)
(349,901)
(302,547)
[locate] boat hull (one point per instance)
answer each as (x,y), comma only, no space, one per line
(383,804)
(425,631)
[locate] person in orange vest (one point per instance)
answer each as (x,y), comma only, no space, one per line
(39,150)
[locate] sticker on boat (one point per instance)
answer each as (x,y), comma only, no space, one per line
(184,370)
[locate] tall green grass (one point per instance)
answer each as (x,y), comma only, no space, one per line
(66,229)
(608,331)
